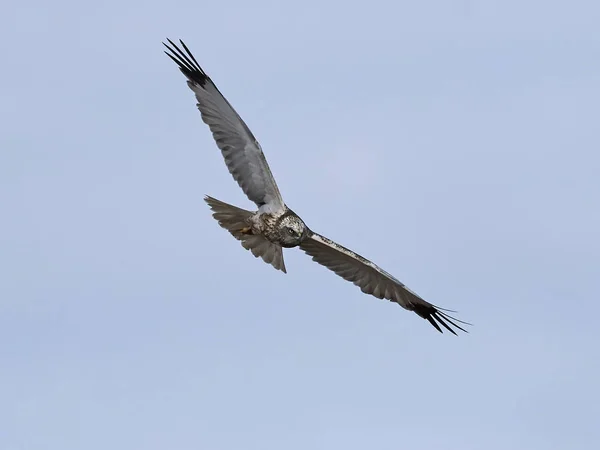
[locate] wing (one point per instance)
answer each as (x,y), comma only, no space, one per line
(242,152)
(373,280)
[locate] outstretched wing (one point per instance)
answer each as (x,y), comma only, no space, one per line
(373,280)
(243,155)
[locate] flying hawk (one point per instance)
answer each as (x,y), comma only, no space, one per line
(273,226)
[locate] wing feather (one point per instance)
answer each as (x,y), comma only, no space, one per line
(242,152)
(261,247)
(372,279)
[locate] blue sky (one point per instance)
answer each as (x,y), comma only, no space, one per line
(453,143)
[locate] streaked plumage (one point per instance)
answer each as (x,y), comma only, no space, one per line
(273,226)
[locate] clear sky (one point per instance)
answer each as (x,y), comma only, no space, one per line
(456,144)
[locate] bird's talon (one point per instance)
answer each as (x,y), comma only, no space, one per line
(246,230)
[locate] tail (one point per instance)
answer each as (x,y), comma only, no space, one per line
(234,220)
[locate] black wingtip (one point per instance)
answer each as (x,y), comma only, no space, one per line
(186,61)
(436,317)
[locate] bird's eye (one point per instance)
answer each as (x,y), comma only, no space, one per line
(291,231)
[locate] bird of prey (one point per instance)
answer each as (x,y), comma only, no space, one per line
(273,226)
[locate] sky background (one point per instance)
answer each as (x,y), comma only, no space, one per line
(456,144)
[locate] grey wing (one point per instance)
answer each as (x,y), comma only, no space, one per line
(373,280)
(242,152)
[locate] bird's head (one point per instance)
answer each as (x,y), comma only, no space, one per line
(292,231)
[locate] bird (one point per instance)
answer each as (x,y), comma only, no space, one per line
(273,226)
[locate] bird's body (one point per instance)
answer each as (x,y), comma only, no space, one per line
(284,228)
(273,226)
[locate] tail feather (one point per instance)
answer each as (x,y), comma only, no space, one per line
(234,219)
